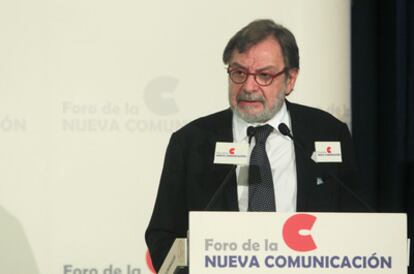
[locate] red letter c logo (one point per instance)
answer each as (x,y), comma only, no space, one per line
(329,149)
(291,232)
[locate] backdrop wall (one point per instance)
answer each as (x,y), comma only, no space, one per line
(90,92)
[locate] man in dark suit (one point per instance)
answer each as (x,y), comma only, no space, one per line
(263,64)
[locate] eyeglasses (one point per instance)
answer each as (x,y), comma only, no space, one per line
(239,76)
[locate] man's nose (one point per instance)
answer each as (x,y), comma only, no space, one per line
(250,85)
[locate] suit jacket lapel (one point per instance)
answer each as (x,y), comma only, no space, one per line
(224,133)
(304,169)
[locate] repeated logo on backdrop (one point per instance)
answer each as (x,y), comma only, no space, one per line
(149,262)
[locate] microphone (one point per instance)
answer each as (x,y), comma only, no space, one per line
(250,132)
(284,129)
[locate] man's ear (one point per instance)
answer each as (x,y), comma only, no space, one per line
(291,80)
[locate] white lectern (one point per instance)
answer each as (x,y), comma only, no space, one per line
(294,243)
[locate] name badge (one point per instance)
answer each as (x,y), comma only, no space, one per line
(327,152)
(231,153)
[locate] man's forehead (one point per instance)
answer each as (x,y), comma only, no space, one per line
(257,61)
(235,64)
(268,48)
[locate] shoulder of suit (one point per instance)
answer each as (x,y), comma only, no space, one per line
(211,122)
(311,114)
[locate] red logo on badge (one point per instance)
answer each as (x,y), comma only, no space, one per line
(329,149)
(232,150)
(293,232)
(149,262)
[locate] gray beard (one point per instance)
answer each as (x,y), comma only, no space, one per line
(263,117)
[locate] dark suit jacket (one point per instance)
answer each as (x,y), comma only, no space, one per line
(189,178)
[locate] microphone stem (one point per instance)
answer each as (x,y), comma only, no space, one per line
(220,189)
(286,131)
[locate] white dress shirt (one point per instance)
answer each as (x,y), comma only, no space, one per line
(281,153)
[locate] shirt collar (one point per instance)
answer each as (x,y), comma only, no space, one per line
(240,126)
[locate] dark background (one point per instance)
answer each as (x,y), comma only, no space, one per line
(383,103)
